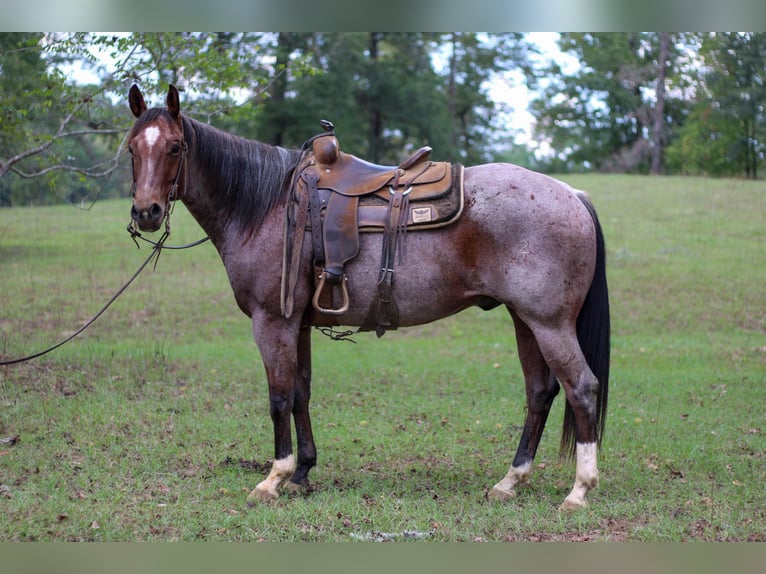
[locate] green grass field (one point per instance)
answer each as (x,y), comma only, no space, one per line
(153,424)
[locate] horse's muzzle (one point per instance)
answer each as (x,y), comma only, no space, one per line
(148,219)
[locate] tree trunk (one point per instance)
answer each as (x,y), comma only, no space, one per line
(375,117)
(453,152)
(275,122)
(659,108)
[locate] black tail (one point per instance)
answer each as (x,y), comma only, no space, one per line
(593,334)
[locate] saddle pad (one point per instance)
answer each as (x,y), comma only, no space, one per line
(428,213)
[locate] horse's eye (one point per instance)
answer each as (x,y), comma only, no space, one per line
(175,148)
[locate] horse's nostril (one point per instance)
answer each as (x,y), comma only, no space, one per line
(154,212)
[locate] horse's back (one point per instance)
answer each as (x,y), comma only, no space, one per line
(524,240)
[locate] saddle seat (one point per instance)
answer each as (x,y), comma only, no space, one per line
(337,195)
(352,176)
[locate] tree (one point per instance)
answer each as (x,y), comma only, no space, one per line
(319,80)
(703,144)
(604,115)
(69,135)
(44,122)
(737,85)
(275,117)
(388,94)
(379,89)
(402,96)
(725,130)
(473,60)
(384,92)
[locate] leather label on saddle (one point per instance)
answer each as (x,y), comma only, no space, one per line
(421,215)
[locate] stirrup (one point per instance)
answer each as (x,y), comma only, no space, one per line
(318,292)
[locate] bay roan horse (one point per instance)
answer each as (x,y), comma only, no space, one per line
(524,240)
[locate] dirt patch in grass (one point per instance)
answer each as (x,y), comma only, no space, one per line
(608,530)
(249,465)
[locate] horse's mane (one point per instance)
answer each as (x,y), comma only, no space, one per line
(249,176)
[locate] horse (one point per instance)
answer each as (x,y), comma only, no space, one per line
(524,240)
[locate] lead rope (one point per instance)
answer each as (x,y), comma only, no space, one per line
(157,247)
(155,254)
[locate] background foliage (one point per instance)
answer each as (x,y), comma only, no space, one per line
(680,103)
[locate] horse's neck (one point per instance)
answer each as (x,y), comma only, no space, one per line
(201,215)
(227,204)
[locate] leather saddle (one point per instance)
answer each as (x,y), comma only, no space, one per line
(338,195)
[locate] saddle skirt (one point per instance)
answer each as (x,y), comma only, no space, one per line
(336,196)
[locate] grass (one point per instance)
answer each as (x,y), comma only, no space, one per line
(153,425)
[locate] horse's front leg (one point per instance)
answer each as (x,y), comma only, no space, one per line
(307,453)
(277,340)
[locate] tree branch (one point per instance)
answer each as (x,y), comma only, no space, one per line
(88,172)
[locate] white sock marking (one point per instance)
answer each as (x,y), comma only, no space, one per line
(586,475)
(587,470)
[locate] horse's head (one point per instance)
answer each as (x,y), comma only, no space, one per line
(156,145)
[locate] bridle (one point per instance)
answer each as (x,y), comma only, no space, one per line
(133,230)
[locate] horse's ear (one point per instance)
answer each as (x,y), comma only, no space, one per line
(136,101)
(174,106)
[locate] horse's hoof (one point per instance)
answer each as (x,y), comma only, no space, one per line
(292,488)
(497,495)
(572,504)
(261,496)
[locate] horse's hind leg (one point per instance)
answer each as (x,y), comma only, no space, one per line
(563,354)
(307,454)
(541,389)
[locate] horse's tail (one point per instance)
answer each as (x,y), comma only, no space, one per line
(593,334)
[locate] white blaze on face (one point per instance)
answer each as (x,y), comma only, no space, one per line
(151,136)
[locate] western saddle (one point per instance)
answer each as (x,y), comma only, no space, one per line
(337,195)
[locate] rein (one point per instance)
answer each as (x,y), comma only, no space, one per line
(157,247)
